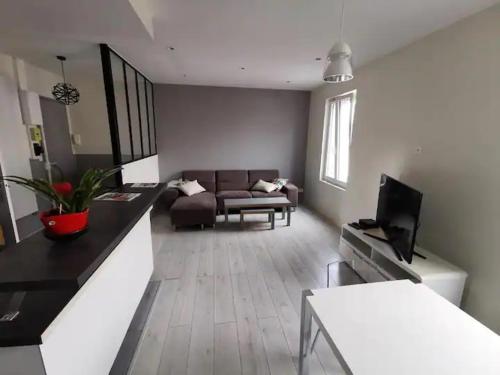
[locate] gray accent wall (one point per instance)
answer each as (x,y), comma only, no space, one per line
(202,127)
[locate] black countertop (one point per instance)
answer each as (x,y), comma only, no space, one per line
(52,272)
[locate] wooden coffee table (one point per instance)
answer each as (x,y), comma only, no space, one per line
(256,203)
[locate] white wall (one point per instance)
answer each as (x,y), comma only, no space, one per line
(14,145)
(144,170)
(441,94)
(89,117)
(14,148)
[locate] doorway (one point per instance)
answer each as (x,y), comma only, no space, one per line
(58,140)
(58,154)
(7,237)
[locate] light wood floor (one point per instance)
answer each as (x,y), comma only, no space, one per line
(229,298)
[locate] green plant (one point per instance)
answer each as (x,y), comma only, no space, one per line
(68,199)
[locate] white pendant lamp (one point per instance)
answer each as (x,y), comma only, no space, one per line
(339,68)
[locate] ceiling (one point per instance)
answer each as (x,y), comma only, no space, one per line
(245,43)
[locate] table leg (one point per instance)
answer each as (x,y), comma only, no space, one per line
(226,215)
(283,210)
(272,220)
(289,218)
(305,333)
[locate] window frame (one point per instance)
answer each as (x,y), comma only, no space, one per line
(326,137)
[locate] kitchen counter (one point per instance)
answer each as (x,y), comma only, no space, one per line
(39,277)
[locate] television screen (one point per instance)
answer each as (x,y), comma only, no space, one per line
(398,214)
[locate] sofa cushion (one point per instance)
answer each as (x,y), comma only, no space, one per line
(232,180)
(194,210)
(230,194)
(272,194)
(205,178)
(268,175)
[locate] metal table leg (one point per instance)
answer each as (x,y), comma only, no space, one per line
(226,215)
(289,218)
(305,333)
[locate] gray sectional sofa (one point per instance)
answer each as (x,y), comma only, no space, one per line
(201,209)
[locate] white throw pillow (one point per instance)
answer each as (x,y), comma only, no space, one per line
(174,184)
(265,186)
(191,188)
(280,182)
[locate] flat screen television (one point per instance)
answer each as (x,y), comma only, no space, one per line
(398,213)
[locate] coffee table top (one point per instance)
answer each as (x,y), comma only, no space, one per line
(257,202)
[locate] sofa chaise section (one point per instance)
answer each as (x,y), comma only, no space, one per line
(198,209)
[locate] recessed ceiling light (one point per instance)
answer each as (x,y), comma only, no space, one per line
(242,68)
(318,59)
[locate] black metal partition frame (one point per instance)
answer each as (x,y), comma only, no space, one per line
(131,112)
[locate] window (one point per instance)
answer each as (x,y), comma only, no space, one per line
(337,138)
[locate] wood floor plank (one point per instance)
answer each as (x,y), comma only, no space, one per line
(292,285)
(186,291)
(236,262)
(201,347)
(176,258)
(289,319)
(206,265)
(227,353)
(147,358)
(277,352)
(252,354)
(175,351)
(264,306)
(224,308)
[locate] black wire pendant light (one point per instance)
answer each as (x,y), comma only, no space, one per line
(64,92)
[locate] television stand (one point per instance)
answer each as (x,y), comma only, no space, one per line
(398,255)
(374,260)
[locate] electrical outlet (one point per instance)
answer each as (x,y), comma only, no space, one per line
(76,139)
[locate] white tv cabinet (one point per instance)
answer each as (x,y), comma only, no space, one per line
(375,261)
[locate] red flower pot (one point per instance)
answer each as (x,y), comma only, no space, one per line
(65,224)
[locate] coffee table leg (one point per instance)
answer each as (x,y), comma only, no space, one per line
(272,220)
(283,210)
(226,215)
(289,218)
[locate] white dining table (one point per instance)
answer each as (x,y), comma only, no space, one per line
(395,328)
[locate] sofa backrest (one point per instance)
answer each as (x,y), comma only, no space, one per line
(237,179)
(232,180)
(205,178)
(255,175)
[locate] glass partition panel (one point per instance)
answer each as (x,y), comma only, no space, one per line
(122,114)
(141,86)
(151,116)
(134,112)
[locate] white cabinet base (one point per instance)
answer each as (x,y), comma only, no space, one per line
(375,261)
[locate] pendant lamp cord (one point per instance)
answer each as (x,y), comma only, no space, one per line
(342,21)
(62,69)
